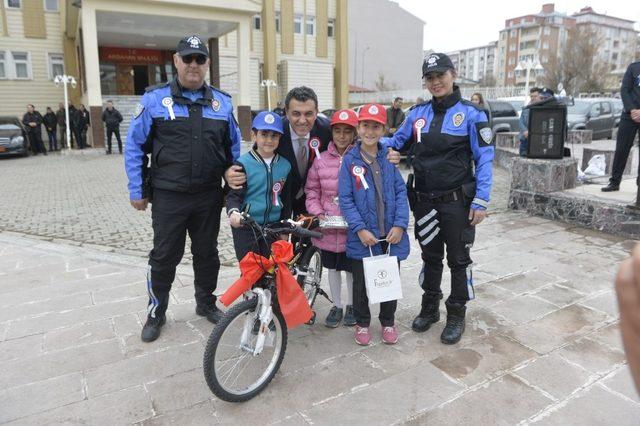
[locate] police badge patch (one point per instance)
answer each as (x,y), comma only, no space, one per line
(215,104)
(486,135)
(139,110)
(458,119)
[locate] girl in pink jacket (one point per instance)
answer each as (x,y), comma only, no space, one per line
(322,200)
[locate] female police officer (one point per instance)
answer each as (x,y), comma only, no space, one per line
(452,137)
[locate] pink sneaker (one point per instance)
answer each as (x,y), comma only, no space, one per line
(362,336)
(390,335)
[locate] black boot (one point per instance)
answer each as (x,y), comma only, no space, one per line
(151,330)
(455,323)
(611,187)
(212,312)
(429,314)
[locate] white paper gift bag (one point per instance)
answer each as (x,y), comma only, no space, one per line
(382,278)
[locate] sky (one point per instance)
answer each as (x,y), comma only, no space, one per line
(479,22)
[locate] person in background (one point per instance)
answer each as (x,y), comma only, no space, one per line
(112,119)
(478,99)
(537,96)
(62,125)
(50,124)
(82,125)
(395,116)
(32,119)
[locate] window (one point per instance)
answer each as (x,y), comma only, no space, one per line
(22,65)
(510,75)
(13,4)
(51,5)
(3,65)
(614,56)
(278,22)
(56,65)
(331,27)
(606,107)
(257,22)
(545,45)
(512,48)
(512,61)
(616,44)
(311,25)
(297,23)
(502,109)
(547,30)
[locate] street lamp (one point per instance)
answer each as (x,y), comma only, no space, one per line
(268,84)
(65,80)
(528,65)
(363,52)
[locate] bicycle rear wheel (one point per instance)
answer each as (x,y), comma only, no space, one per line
(310,264)
(232,371)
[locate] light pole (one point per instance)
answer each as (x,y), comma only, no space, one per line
(363,52)
(528,65)
(65,80)
(268,84)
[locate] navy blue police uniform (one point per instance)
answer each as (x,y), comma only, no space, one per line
(627,129)
(451,138)
(193,138)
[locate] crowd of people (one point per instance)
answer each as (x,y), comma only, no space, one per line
(55,125)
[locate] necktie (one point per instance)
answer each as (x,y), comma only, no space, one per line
(301,158)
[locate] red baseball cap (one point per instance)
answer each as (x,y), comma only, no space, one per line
(345,116)
(373,112)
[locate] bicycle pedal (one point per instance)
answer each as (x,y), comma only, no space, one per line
(313,319)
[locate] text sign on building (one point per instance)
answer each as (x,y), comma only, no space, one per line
(130,56)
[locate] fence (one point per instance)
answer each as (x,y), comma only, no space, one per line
(410,96)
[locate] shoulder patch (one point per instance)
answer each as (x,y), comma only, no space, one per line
(156,86)
(139,110)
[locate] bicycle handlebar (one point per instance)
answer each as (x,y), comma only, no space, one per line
(288,229)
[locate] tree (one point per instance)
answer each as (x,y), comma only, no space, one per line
(383,85)
(579,67)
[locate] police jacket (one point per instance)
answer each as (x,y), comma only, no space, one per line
(266,196)
(193,138)
(630,90)
(112,119)
(454,136)
(32,117)
(358,203)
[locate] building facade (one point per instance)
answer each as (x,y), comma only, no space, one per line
(477,63)
(618,42)
(535,37)
(384,40)
(117,48)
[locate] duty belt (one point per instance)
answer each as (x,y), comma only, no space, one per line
(454,195)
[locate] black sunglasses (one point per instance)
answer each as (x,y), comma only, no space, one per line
(200,59)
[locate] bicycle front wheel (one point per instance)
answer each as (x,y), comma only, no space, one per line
(232,371)
(311,263)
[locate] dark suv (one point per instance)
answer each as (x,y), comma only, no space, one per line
(502,116)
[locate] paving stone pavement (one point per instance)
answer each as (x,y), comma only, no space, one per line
(542,343)
(81,198)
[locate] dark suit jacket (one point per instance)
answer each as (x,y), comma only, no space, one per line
(322,130)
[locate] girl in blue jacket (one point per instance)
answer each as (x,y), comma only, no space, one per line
(373,201)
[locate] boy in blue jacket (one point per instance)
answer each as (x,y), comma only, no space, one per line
(266,194)
(373,200)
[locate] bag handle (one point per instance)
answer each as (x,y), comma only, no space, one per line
(380,240)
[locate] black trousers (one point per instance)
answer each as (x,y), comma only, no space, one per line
(110,133)
(361,301)
(173,215)
(37,144)
(439,224)
(627,131)
(244,241)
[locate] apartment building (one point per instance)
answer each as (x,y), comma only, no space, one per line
(476,63)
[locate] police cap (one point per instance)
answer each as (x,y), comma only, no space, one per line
(437,62)
(192,45)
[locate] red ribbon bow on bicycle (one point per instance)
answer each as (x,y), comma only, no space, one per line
(293,303)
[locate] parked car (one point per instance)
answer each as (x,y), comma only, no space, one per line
(503,117)
(13,137)
(517,102)
(595,114)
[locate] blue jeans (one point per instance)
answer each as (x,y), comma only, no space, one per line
(524,143)
(53,142)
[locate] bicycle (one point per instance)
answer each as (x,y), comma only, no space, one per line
(247,346)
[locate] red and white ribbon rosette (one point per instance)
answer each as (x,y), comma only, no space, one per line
(419,125)
(277,188)
(358,172)
(314,144)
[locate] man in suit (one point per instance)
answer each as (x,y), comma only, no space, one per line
(305,136)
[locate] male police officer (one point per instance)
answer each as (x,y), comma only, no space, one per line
(629,125)
(192,135)
(451,136)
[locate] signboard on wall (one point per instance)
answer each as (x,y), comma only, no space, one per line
(121,55)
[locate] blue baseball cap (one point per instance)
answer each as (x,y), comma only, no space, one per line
(267,120)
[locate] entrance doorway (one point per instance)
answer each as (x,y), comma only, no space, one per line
(140,79)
